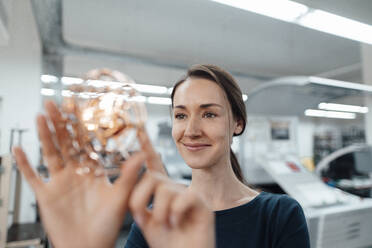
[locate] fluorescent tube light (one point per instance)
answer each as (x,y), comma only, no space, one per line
(143,88)
(340,84)
(343,107)
(245,97)
(329,114)
(48,79)
(170,90)
(147,88)
(71,80)
(47,92)
(159,100)
(279,9)
(138,99)
(300,14)
(103,83)
(337,25)
(87,95)
(67,93)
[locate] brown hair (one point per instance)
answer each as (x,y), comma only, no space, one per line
(234,95)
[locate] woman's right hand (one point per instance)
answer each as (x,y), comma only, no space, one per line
(77,210)
(178,217)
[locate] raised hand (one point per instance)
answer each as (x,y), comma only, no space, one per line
(77,210)
(178,217)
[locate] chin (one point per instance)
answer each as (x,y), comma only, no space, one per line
(198,163)
(205,159)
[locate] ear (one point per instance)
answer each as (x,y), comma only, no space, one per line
(239,127)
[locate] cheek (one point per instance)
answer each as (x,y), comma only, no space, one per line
(176,132)
(218,131)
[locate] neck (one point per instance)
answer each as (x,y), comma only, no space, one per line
(219,187)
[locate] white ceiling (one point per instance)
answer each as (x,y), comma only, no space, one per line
(184,32)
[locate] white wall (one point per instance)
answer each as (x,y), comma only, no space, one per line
(19,89)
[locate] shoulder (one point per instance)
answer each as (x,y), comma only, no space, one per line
(276,198)
(287,220)
(280,207)
(278,202)
(275,219)
(272,209)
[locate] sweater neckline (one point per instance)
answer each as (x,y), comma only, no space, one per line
(239,208)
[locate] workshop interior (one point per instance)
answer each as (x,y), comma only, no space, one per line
(304,67)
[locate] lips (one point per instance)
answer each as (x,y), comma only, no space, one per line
(195,146)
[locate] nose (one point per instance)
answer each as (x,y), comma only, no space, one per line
(193,128)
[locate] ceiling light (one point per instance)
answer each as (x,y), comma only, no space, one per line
(329,114)
(137,99)
(279,9)
(343,107)
(159,100)
(48,79)
(340,84)
(71,80)
(300,14)
(147,88)
(337,25)
(103,83)
(47,92)
(170,90)
(67,93)
(245,97)
(144,88)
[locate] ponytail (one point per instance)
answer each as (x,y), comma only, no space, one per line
(236,167)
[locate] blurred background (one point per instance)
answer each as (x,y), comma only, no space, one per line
(304,68)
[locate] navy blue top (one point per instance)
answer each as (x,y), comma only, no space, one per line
(268,221)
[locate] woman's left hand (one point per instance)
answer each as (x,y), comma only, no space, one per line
(178,217)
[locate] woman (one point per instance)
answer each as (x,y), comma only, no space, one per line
(208,110)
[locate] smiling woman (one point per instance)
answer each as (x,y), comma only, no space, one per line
(208,110)
(205,106)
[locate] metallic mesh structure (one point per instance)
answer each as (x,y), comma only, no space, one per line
(103,114)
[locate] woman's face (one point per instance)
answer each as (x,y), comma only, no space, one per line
(203,125)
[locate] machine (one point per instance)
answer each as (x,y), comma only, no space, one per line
(349,169)
(270,153)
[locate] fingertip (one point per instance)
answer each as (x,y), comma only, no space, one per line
(131,166)
(51,107)
(136,158)
(49,104)
(16,151)
(40,118)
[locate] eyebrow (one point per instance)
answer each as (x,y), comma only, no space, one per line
(207,105)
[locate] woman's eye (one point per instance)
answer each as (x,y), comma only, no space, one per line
(209,115)
(180,116)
